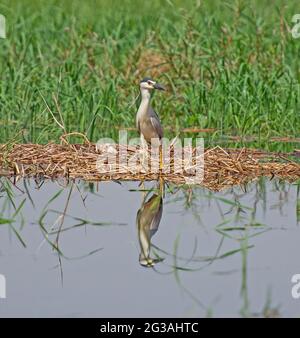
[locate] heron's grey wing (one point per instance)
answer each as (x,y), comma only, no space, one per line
(138,125)
(156,123)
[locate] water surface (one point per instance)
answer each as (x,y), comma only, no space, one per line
(78,249)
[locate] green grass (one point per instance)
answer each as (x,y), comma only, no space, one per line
(232,66)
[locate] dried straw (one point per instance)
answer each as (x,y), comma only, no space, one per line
(222,168)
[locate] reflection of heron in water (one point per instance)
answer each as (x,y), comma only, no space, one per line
(147,221)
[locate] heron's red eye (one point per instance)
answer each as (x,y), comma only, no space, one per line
(149,82)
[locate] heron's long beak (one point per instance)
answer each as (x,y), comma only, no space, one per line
(159,86)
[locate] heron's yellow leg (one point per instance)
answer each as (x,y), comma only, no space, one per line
(161,164)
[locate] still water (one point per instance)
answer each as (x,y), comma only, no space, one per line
(120,249)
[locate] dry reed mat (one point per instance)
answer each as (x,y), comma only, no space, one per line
(222,167)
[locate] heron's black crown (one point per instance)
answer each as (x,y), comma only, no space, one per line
(146,79)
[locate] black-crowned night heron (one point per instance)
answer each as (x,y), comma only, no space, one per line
(147,221)
(147,121)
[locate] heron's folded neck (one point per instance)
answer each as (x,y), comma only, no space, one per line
(145,102)
(146,96)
